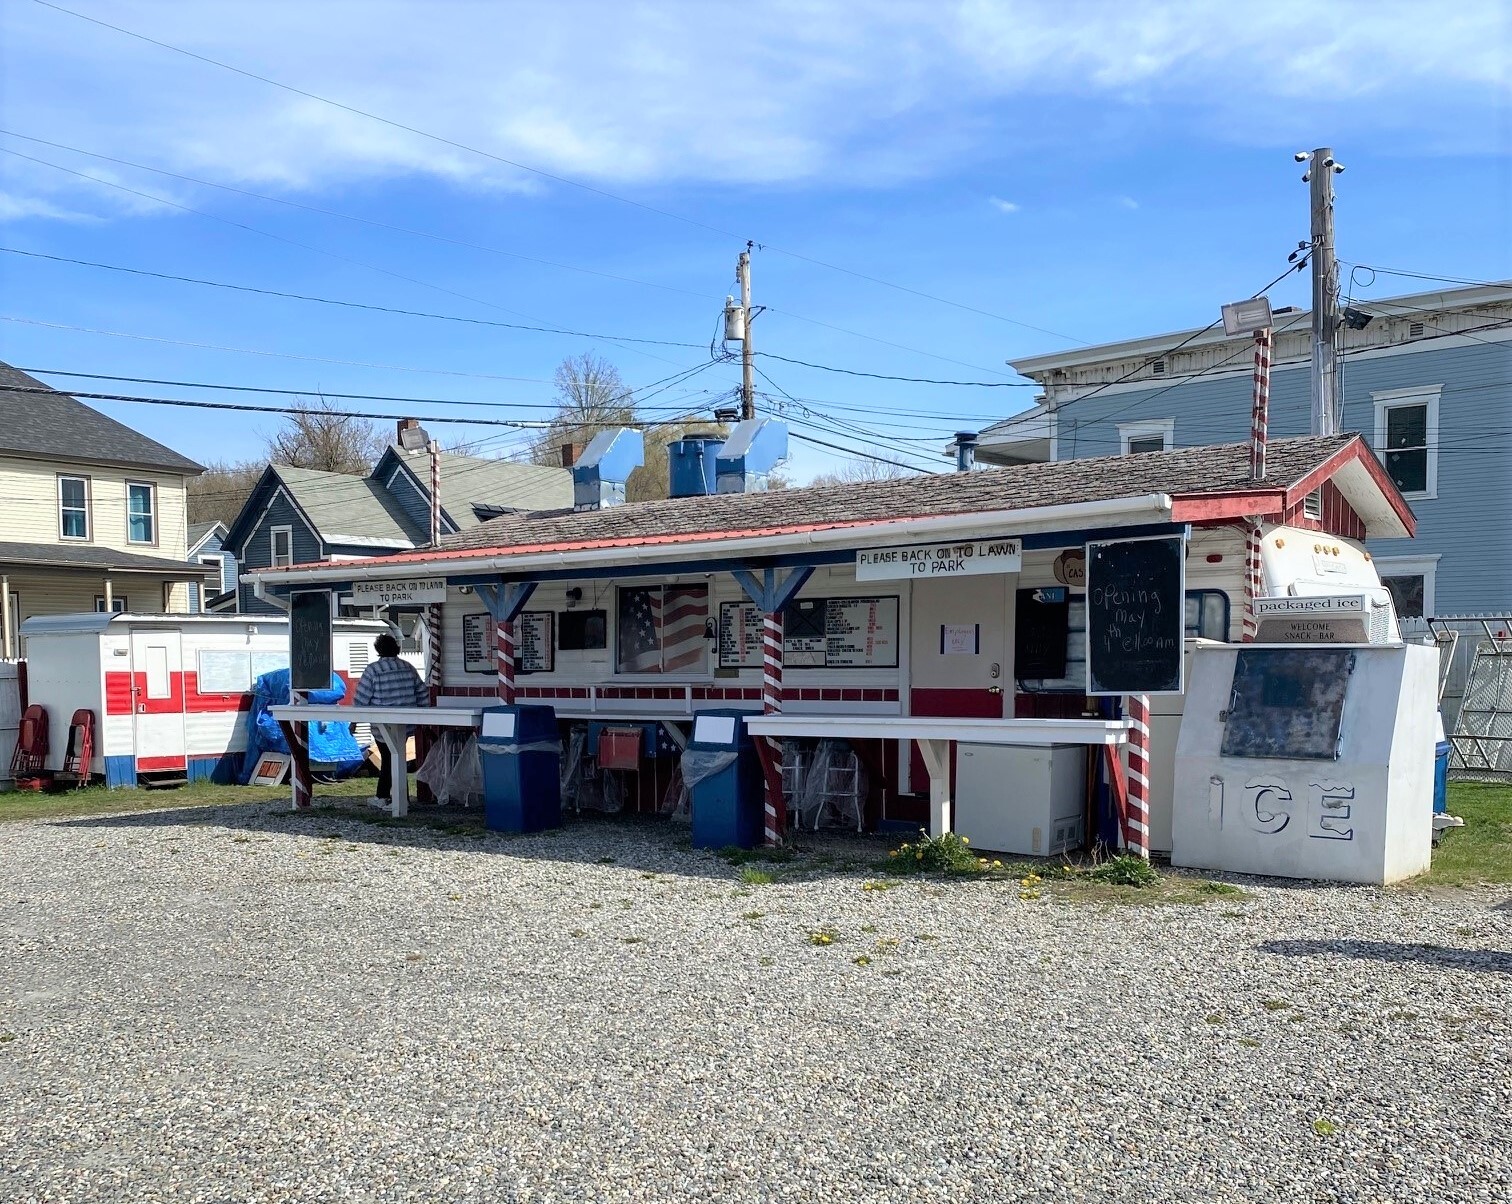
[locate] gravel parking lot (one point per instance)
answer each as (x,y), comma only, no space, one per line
(242,1005)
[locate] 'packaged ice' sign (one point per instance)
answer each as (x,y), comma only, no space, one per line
(419,591)
(940,560)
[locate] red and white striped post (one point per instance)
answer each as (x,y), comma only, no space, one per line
(504,659)
(775,826)
(297,736)
(433,613)
(1253,580)
(1260,411)
(1137,817)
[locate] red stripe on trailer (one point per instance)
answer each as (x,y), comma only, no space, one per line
(118,693)
(155,764)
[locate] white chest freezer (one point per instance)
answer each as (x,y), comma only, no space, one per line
(1021,800)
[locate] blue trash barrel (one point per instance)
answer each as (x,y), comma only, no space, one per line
(1441,777)
(521,754)
(725,785)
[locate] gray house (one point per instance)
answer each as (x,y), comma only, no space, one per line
(301,515)
(1427,380)
(218,591)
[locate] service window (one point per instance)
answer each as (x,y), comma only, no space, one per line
(663,629)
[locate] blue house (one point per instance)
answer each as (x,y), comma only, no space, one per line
(302,515)
(207,547)
(1427,379)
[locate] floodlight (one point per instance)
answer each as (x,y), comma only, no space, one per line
(1246,317)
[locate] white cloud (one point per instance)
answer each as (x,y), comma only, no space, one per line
(1003,206)
(1127,202)
(791,92)
(19,208)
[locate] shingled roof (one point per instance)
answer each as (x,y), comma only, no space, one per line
(1182,472)
(39,422)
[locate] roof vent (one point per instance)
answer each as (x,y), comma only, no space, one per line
(1158,367)
(965,449)
(744,464)
(1415,330)
(599,476)
(692,465)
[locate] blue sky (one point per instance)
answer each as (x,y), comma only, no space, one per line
(1061,172)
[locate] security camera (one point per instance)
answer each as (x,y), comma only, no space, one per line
(1302,156)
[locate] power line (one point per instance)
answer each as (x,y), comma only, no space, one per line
(284,355)
(350,217)
(849,451)
(382,309)
(1371,267)
(913,380)
(539,172)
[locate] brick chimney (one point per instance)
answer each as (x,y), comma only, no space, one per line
(569,454)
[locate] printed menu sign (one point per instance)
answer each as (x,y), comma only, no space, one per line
(534,645)
(835,633)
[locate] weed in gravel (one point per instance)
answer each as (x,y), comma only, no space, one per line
(605,861)
(868,928)
(880,884)
(579,933)
(1249,1043)
(1215,1018)
(1324,1127)
(633,940)
(595,905)
(1207,887)
(892,973)
(739,856)
(1401,1015)
(862,960)
(1275,1005)
(823,936)
(414,957)
(237,840)
(925,936)
(7,1038)
(1125,870)
(650,875)
(767,961)
(752,876)
(753,915)
(1232,915)
(949,853)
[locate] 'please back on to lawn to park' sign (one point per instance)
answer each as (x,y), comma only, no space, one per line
(414,592)
(940,560)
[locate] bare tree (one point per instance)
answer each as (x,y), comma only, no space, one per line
(314,436)
(854,472)
(219,493)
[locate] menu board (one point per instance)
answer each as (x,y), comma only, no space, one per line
(310,640)
(534,642)
(478,643)
(1136,615)
(834,633)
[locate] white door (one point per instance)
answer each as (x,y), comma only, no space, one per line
(157,700)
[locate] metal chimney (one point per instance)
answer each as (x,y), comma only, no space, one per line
(965,445)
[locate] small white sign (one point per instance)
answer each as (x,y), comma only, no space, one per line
(971,559)
(418,591)
(960,639)
(714,729)
(498,725)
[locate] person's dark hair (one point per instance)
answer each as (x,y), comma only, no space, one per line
(386,645)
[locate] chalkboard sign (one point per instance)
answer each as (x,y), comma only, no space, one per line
(1136,614)
(1287,703)
(310,641)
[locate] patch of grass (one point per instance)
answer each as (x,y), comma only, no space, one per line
(753,915)
(1217,889)
(739,856)
(862,960)
(1215,1018)
(1125,870)
(1275,1005)
(633,940)
(752,876)
(947,854)
(604,861)
(868,928)
(7,1038)
(1324,1127)
(1249,1043)
(1481,851)
(925,936)
(98,800)
(880,884)
(1401,1015)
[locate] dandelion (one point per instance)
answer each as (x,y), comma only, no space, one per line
(862,960)
(965,840)
(918,856)
(997,865)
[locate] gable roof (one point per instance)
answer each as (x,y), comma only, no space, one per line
(200,532)
(40,423)
(469,483)
(1191,484)
(346,509)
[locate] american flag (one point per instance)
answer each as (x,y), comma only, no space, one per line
(661,628)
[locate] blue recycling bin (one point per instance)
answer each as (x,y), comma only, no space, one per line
(521,754)
(1441,777)
(725,785)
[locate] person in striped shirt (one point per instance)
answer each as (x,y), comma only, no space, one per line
(389,682)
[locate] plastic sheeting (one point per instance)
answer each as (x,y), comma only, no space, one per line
(698,764)
(331,744)
(832,789)
(453,771)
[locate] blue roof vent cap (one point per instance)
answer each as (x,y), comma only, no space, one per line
(755,447)
(599,476)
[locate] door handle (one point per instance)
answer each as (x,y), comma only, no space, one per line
(994,689)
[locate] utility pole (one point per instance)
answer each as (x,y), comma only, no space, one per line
(1327,405)
(747,355)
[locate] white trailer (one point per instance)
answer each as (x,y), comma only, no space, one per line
(170,693)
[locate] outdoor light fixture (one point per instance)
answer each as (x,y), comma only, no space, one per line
(1357,319)
(1246,317)
(574,596)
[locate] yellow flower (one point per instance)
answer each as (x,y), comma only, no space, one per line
(918,856)
(965,840)
(997,865)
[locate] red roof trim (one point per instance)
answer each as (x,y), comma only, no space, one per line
(1212,507)
(1356,450)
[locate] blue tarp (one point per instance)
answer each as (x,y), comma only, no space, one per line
(331,743)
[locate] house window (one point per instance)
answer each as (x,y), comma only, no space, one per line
(119,604)
(1136,438)
(1406,438)
(1410,581)
(1207,614)
(141,512)
(73,507)
(282,539)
